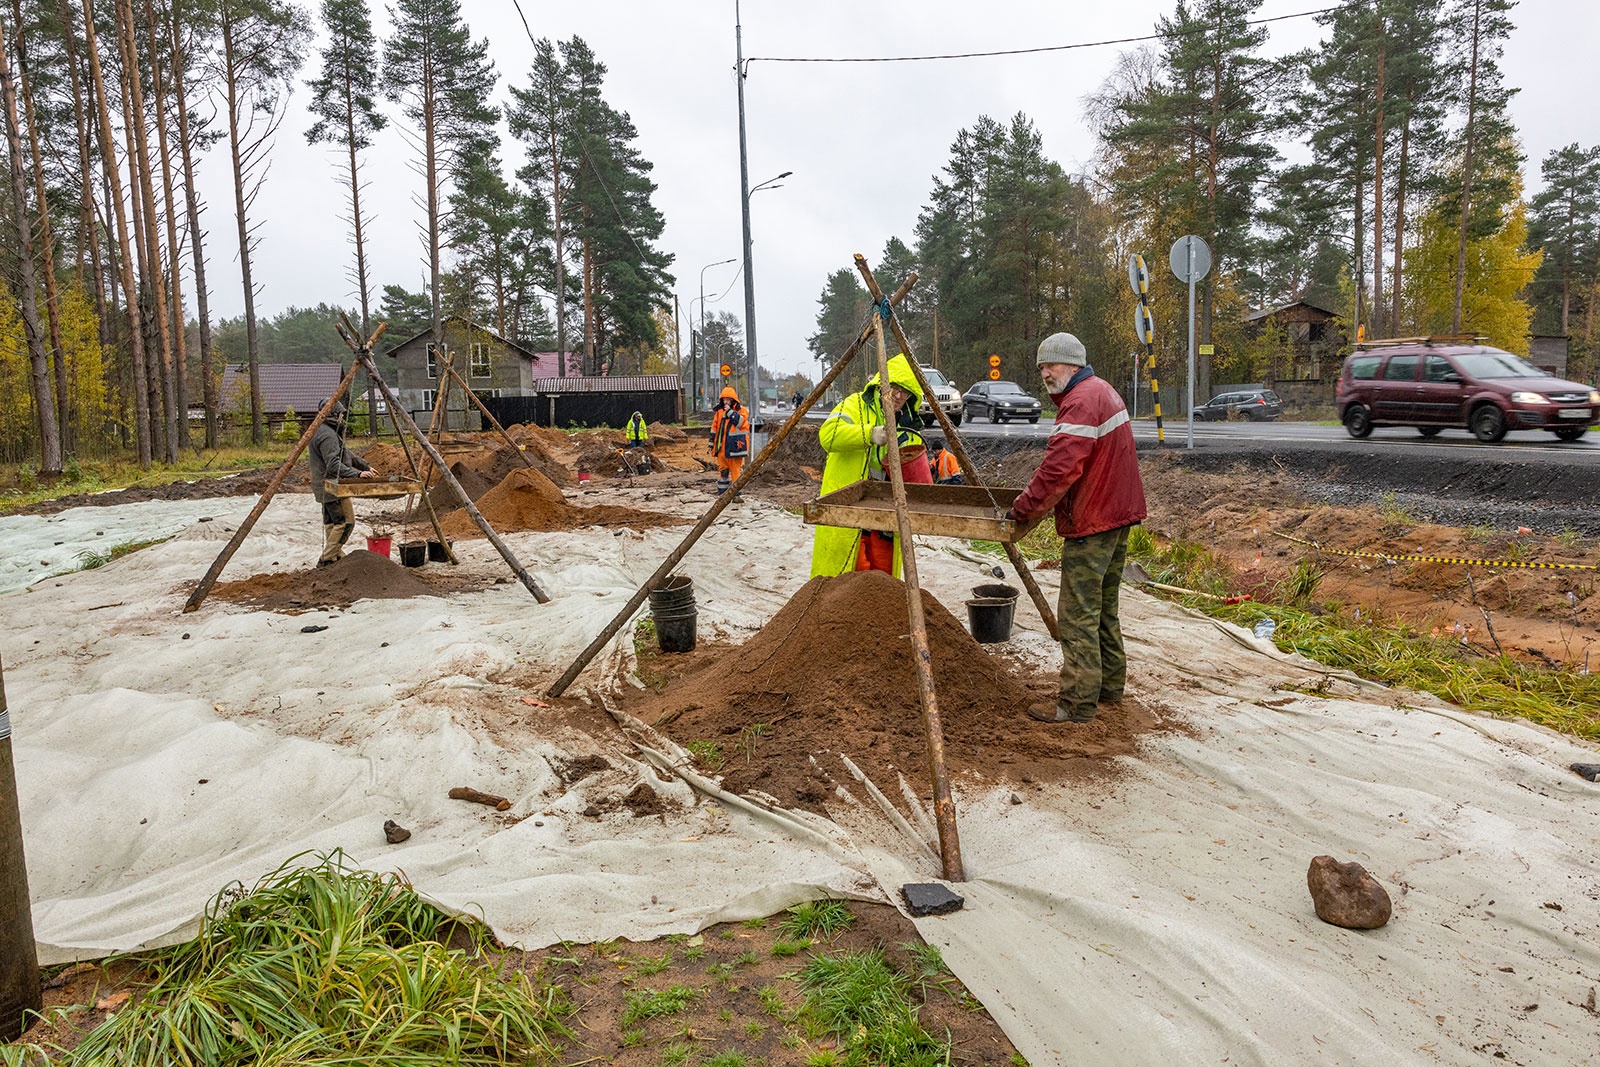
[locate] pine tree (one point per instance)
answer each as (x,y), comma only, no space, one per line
(344,101)
(540,116)
(1202,127)
(1486,143)
(442,80)
(262,47)
(1566,226)
(843,308)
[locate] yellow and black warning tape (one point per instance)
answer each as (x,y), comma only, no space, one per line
(1394,557)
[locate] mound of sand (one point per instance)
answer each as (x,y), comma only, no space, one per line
(526,500)
(832,673)
(360,575)
(660,431)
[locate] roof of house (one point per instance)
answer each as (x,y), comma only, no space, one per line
(1255,316)
(637,383)
(459,321)
(284,386)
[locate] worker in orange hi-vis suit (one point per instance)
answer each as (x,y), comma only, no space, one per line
(730,438)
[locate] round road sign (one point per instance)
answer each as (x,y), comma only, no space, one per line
(1138,275)
(1180,258)
(994,374)
(1143,327)
(727,370)
(994,361)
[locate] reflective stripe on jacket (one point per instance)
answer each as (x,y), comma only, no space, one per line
(1090,473)
(724,421)
(637,431)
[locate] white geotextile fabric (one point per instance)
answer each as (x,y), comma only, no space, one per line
(1157,915)
(33,547)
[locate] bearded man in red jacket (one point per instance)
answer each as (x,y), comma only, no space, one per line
(1090,478)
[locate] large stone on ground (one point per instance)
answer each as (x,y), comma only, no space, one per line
(1346,895)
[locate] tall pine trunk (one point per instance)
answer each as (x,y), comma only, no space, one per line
(1402,172)
(252,338)
(208,381)
(146,223)
(89,227)
(39,364)
(175,324)
(361,246)
(1377,187)
(141,399)
(431,166)
(1466,175)
(47,252)
(561,252)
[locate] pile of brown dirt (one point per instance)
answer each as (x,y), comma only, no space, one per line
(660,431)
(360,575)
(832,673)
(444,498)
(526,500)
(597,454)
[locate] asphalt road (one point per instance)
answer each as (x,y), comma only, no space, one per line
(1526,446)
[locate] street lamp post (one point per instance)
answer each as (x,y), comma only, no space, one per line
(754,372)
(708,266)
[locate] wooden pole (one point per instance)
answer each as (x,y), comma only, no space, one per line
(944,807)
(20,994)
(364,357)
(198,597)
(971,472)
(722,502)
(521,452)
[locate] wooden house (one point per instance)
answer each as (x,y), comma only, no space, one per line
(491,364)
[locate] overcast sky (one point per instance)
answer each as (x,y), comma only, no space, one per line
(863,140)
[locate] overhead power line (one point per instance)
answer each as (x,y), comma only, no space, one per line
(1011,51)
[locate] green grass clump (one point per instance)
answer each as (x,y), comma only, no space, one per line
(329,964)
(1391,653)
(868,1006)
(708,753)
(816,919)
(640,1005)
(784,948)
(88,561)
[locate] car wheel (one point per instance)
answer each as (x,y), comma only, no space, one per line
(1358,420)
(1033,420)
(1488,424)
(962,418)
(1429,431)
(1570,433)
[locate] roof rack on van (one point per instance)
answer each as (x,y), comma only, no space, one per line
(1432,339)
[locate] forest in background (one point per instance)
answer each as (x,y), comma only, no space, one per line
(1377,174)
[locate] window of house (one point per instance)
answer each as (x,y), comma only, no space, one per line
(480,360)
(1316,332)
(428,395)
(433,365)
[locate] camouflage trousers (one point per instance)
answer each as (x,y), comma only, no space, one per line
(1094,666)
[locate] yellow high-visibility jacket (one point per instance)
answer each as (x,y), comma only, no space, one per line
(846,435)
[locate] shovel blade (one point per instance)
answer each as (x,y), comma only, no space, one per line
(1133,572)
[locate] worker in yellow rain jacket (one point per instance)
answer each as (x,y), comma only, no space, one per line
(638,432)
(730,438)
(855,436)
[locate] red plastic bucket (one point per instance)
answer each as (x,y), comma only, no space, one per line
(380,545)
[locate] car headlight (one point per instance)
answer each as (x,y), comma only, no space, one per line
(1594,396)
(1528,398)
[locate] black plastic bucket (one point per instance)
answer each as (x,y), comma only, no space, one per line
(675,630)
(675,593)
(989,618)
(995,592)
(437,553)
(413,553)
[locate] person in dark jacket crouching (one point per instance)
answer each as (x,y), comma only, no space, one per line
(330,458)
(1090,478)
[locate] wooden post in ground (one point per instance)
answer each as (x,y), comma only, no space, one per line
(717,507)
(521,452)
(944,806)
(198,597)
(960,452)
(20,994)
(364,357)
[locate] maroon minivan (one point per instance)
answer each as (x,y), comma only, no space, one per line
(1434,386)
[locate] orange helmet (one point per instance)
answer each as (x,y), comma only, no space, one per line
(728,393)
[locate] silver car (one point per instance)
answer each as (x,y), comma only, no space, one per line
(945,392)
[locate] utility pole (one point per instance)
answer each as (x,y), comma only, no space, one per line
(753,395)
(20,993)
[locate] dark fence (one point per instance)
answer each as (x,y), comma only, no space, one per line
(583,409)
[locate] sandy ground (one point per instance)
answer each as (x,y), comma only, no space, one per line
(1156,912)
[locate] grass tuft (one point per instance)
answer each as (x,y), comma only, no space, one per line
(641,1005)
(868,1006)
(329,963)
(816,919)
